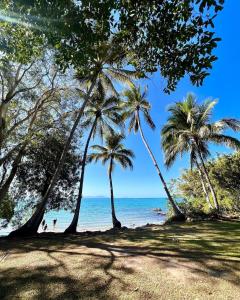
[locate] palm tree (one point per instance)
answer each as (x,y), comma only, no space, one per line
(107,67)
(189,129)
(135,104)
(101,115)
(113,152)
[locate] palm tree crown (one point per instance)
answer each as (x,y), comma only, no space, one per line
(189,129)
(107,67)
(106,109)
(113,151)
(136,102)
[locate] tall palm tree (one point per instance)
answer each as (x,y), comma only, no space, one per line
(101,115)
(189,129)
(136,104)
(106,66)
(113,152)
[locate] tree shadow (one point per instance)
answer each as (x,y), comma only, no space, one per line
(86,267)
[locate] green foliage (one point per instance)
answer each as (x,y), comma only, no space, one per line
(35,173)
(135,104)
(175,36)
(189,129)
(224,173)
(7,208)
(113,152)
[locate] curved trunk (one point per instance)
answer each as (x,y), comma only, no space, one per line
(116,223)
(72,228)
(178,215)
(209,182)
(31,226)
(203,185)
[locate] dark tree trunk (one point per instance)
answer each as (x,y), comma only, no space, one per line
(116,223)
(72,228)
(178,215)
(31,226)
(3,111)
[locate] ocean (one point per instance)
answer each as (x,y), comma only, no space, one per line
(95,214)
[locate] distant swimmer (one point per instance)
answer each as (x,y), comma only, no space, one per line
(54,223)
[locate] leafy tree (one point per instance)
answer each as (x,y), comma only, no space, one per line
(189,130)
(113,152)
(6,210)
(175,35)
(45,99)
(101,116)
(136,104)
(35,172)
(225,171)
(224,174)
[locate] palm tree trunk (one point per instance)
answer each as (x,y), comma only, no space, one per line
(209,182)
(116,223)
(204,185)
(72,228)
(177,213)
(31,226)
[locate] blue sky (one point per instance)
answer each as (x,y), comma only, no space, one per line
(222,84)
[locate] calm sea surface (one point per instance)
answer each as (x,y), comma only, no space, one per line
(95,214)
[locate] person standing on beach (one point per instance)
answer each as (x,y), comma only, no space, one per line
(43,223)
(54,223)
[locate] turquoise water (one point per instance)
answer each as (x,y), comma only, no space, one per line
(95,214)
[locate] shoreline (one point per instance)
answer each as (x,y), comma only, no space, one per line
(94,231)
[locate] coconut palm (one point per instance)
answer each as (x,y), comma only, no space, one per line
(113,152)
(189,129)
(136,104)
(101,116)
(106,66)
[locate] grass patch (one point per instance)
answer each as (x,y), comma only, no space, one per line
(188,261)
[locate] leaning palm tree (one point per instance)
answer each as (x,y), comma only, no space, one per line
(113,152)
(108,66)
(189,129)
(136,104)
(101,116)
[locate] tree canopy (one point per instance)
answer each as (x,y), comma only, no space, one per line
(175,37)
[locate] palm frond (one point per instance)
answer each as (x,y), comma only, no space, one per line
(227,140)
